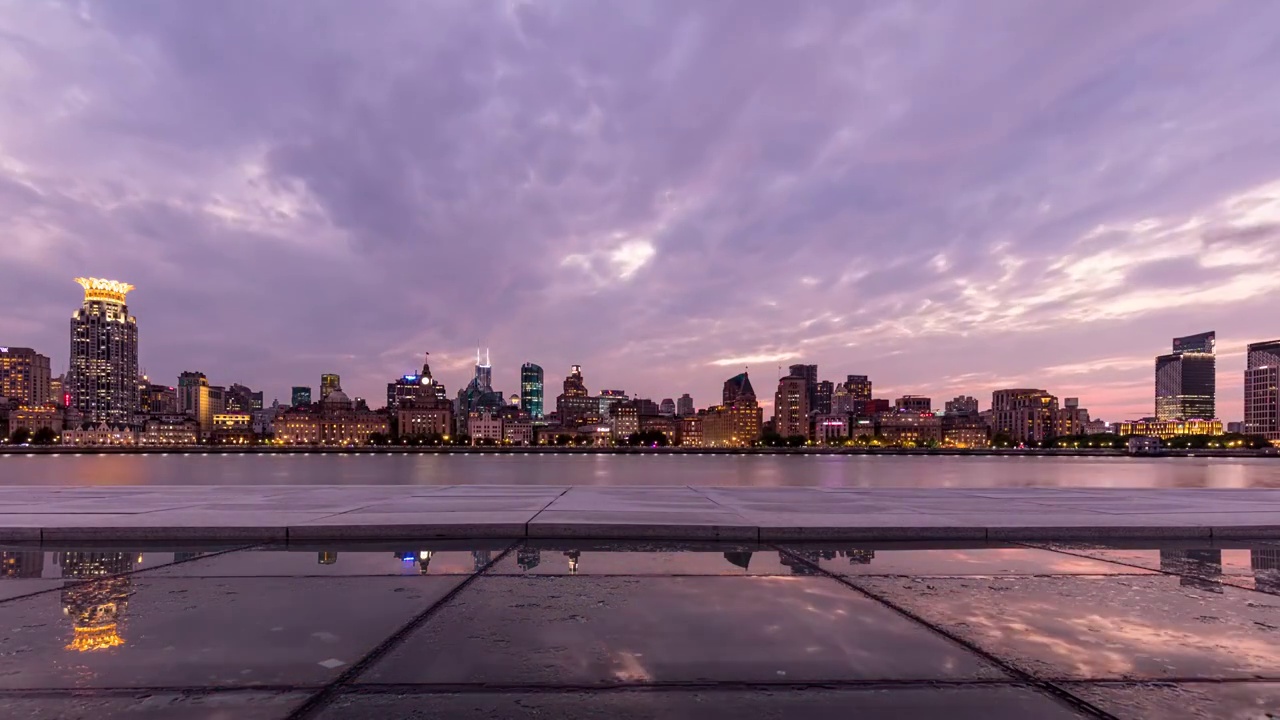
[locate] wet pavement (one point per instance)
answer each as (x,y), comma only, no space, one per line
(593,629)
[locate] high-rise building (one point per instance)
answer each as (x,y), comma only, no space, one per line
(684,405)
(737,389)
(810,375)
(962,405)
(1024,414)
(822,397)
(484,370)
(58,391)
(194,399)
(301,395)
(416,390)
(25,377)
(791,407)
(667,408)
(1186,379)
(160,399)
(103,376)
(913,404)
(329,382)
(240,399)
(858,387)
(532,390)
(1262,390)
(575,405)
(608,399)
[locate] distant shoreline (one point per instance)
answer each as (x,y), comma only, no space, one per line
(448,450)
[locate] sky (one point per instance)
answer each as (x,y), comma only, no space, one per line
(949,197)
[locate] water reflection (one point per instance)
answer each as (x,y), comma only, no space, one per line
(96,608)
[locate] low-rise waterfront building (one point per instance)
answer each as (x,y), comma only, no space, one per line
(831,428)
(691,431)
(484,427)
(1165,429)
(170,431)
(332,421)
(909,428)
(100,435)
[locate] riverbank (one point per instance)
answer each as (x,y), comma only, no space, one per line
(289,513)
(449,450)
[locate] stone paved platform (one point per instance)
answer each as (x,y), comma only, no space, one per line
(320,512)
(693,631)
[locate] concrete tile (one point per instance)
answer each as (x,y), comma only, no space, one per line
(1099,532)
(17,587)
(413,525)
(158,706)
(598,630)
(1123,628)
(431,504)
(641,525)
(1170,701)
(141,631)
(953,703)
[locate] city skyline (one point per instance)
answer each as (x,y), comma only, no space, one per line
(662,195)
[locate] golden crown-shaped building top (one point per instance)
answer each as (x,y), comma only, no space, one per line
(105,290)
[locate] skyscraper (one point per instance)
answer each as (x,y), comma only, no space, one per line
(858,387)
(667,407)
(684,405)
(419,390)
(25,377)
(791,407)
(301,395)
(193,399)
(103,376)
(329,382)
(1186,379)
(738,389)
(575,404)
(822,397)
(484,371)
(532,390)
(810,375)
(1262,390)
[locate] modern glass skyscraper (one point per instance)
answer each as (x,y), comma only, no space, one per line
(1186,379)
(103,376)
(532,390)
(1262,390)
(300,396)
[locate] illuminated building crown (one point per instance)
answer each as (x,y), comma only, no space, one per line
(112,291)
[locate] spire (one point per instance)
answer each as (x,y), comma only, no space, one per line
(486,358)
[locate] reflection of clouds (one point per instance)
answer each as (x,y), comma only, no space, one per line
(1091,627)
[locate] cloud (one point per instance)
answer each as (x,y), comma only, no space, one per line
(659,191)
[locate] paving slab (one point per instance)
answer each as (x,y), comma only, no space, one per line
(251,705)
(1130,628)
(140,631)
(609,630)
(409,525)
(976,703)
(654,524)
(641,560)
(1184,701)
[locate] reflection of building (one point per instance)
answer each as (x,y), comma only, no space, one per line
(326,557)
(1165,429)
(1199,567)
(1186,379)
(573,556)
(481,558)
(528,558)
(96,607)
(799,566)
(1262,391)
(1266,568)
(740,559)
(25,377)
(103,376)
(859,557)
(22,564)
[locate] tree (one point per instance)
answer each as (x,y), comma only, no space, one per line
(20,436)
(794,441)
(563,439)
(647,438)
(1002,440)
(45,436)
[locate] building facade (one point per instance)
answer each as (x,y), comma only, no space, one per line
(417,390)
(1262,390)
(103,376)
(909,428)
(1165,429)
(25,377)
(329,382)
(913,404)
(858,387)
(691,431)
(1025,415)
(300,395)
(962,405)
(532,390)
(1186,379)
(100,435)
(684,406)
(332,421)
(170,431)
(484,427)
(791,406)
(735,425)
(574,405)
(422,422)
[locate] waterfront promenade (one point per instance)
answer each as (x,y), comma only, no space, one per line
(294,513)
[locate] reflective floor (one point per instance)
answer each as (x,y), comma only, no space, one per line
(557,630)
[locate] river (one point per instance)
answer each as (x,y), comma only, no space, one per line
(606,470)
